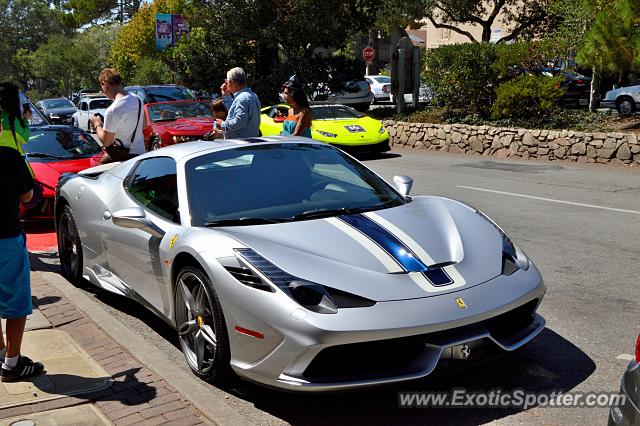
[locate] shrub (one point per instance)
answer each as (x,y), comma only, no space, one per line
(463,76)
(526,96)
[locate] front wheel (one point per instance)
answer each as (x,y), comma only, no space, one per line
(69,246)
(155,145)
(626,106)
(201,326)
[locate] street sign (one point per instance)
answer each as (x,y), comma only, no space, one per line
(368,53)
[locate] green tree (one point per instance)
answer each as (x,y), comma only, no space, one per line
(611,43)
(24,24)
(463,76)
(136,39)
(81,12)
(524,17)
(69,62)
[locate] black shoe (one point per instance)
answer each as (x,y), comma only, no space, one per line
(23,370)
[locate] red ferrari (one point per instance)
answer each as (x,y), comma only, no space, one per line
(168,123)
(51,151)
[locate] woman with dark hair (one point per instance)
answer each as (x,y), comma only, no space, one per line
(298,122)
(16,127)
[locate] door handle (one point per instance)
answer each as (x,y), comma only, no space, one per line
(106,215)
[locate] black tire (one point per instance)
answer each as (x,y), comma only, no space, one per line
(155,144)
(69,246)
(204,326)
(626,106)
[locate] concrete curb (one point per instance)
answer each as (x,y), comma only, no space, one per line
(218,411)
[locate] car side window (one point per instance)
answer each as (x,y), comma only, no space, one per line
(154,184)
(84,106)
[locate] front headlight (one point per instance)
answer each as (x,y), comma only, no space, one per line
(381,129)
(513,258)
(312,296)
(54,116)
(179,139)
(327,134)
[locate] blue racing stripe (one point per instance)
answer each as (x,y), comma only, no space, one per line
(387,241)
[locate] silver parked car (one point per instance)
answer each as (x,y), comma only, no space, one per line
(627,411)
(290,263)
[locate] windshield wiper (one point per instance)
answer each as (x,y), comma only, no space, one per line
(317,213)
(342,211)
(241,221)
(43,155)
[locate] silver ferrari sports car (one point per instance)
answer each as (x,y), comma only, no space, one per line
(290,263)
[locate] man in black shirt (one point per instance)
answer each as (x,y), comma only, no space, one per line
(16,185)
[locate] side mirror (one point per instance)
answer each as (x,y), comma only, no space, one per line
(403,183)
(136,218)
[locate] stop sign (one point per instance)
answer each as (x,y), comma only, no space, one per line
(368,53)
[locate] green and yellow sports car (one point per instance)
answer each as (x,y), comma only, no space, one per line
(337,125)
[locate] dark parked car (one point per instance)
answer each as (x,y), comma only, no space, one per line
(577,86)
(161,93)
(57,110)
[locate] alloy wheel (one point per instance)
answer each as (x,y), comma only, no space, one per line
(69,243)
(196,325)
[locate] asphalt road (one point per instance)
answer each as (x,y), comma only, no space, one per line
(579,223)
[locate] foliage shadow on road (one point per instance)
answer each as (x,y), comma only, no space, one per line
(548,363)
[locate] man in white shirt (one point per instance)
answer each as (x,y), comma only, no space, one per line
(123,120)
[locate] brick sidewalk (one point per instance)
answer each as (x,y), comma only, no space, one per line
(137,395)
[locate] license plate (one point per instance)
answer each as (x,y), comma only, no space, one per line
(463,351)
(583,102)
(354,129)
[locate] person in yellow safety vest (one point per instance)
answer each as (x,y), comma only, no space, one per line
(14,130)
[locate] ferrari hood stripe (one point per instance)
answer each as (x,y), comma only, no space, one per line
(369,245)
(406,239)
(402,254)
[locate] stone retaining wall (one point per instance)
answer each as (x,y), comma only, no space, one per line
(613,148)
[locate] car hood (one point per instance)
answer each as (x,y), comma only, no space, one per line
(340,126)
(49,172)
(69,110)
(197,125)
(331,252)
(612,94)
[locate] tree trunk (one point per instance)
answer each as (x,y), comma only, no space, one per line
(592,94)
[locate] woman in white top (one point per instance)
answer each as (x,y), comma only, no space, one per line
(123,120)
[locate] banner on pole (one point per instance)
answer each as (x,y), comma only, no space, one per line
(169,29)
(164,31)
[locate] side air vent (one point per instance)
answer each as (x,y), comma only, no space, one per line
(248,278)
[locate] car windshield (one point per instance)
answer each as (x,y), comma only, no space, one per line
(383,79)
(173,111)
(168,93)
(60,144)
(281,183)
(334,112)
(100,103)
(57,103)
